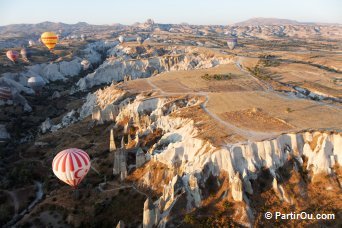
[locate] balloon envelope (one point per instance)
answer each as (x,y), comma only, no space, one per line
(31,43)
(5,93)
(121,39)
(36,83)
(50,39)
(231,42)
(12,55)
(86,64)
(71,166)
(139,40)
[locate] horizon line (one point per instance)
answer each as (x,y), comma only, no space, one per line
(229,24)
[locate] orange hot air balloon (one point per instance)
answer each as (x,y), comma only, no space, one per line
(71,166)
(50,39)
(12,55)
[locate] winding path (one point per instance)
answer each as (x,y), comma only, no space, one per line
(248,134)
(17,217)
(262,84)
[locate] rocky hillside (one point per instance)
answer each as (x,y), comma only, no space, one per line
(181,131)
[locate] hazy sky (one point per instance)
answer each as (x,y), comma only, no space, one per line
(172,11)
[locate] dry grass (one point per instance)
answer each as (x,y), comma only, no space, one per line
(255,120)
(300,117)
(309,77)
(159,173)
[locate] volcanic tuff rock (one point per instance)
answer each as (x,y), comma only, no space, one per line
(116,70)
(198,159)
(149,214)
(49,72)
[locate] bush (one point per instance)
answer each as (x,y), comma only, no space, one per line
(217,77)
(189,219)
(227,205)
(288,110)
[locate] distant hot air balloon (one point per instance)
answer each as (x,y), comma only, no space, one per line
(86,64)
(140,40)
(232,42)
(71,166)
(121,39)
(4,135)
(5,93)
(12,55)
(25,53)
(50,39)
(36,83)
(31,43)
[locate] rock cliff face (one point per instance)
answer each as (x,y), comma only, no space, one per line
(50,72)
(196,160)
(117,69)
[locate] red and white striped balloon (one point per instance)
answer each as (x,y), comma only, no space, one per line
(71,166)
(12,55)
(5,93)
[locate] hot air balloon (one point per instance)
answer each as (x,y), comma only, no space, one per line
(86,64)
(36,83)
(4,135)
(71,166)
(232,42)
(121,39)
(5,93)
(25,53)
(31,43)
(12,55)
(140,40)
(50,39)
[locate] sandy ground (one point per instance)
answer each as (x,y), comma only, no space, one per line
(227,100)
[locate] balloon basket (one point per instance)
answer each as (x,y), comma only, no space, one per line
(76,193)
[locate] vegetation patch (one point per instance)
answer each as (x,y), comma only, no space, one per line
(217,77)
(260,73)
(269,61)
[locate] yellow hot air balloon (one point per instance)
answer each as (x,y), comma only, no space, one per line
(50,39)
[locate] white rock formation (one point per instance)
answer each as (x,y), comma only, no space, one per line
(116,70)
(197,159)
(119,165)
(46,126)
(319,158)
(136,139)
(140,158)
(123,170)
(149,215)
(68,119)
(49,72)
(279,190)
(246,183)
(195,191)
(237,191)
(112,146)
(120,224)
(123,145)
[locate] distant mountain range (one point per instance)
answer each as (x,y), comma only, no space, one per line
(45,26)
(274,21)
(264,28)
(267,21)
